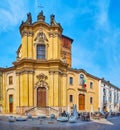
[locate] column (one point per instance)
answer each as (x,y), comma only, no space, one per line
(17,89)
(56,46)
(30,45)
(55,87)
(24,45)
(51,90)
(24,90)
(64,90)
(50,47)
(31,89)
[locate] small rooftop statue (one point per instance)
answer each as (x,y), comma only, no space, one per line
(29,19)
(52,20)
(40,16)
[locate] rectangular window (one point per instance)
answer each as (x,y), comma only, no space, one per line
(91,85)
(71,98)
(71,80)
(41,51)
(91,100)
(10,80)
(11,98)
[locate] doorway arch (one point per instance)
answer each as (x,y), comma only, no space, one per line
(41,97)
(81,102)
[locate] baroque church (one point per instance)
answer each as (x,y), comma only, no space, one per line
(42,75)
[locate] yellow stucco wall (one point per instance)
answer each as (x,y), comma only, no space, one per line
(75,89)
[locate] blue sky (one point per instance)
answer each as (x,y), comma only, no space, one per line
(93,24)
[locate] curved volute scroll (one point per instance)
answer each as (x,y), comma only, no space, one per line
(42,81)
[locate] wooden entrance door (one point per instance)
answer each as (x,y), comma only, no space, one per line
(81,102)
(41,97)
(11,103)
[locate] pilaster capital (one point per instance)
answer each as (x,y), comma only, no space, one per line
(25,72)
(30,33)
(24,33)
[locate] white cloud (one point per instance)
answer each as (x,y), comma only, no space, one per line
(11,13)
(103,60)
(102,14)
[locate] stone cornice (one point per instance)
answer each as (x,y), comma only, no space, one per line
(25,71)
(37,62)
(57,72)
(54,34)
(8,69)
(26,33)
(38,25)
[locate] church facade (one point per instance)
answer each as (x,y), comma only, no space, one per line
(42,75)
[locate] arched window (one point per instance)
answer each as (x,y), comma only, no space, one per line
(41,51)
(81,79)
(71,80)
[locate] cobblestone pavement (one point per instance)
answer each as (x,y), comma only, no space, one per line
(35,124)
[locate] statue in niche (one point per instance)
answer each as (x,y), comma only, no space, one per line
(29,19)
(52,20)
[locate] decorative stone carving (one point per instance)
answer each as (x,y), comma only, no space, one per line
(29,19)
(41,37)
(27,33)
(30,33)
(41,80)
(25,72)
(41,77)
(24,33)
(52,20)
(41,17)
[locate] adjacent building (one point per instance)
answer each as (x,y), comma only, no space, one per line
(82,90)
(109,96)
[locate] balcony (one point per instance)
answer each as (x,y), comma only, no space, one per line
(82,89)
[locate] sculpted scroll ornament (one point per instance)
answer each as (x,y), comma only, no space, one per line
(41,80)
(41,37)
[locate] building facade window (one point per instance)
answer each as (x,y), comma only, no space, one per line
(71,80)
(10,80)
(115,97)
(81,79)
(71,98)
(110,96)
(91,85)
(41,52)
(104,91)
(91,100)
